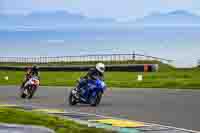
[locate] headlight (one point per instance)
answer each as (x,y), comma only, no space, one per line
(34,82)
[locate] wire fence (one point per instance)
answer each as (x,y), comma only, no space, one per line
(83,59)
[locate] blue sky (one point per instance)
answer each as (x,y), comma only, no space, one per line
(123,10)
(118,9)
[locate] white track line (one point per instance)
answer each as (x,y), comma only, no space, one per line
(146,123)
(103,116)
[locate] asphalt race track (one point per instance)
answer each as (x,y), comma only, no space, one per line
(178,108)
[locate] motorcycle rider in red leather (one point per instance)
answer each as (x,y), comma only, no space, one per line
(31,71)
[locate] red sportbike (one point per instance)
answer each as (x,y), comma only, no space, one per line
(30,87)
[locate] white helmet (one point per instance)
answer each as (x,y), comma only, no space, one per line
(100,67)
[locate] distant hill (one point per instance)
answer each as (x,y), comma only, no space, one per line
(176,18)
(65,19)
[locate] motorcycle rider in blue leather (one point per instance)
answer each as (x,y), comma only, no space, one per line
(93,74)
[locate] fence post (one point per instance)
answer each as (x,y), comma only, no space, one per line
(133,56)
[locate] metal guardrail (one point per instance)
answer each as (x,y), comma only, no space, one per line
(84,58)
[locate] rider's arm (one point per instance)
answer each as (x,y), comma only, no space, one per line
(89,74)
(102,77)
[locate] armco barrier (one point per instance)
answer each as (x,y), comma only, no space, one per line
(123,68)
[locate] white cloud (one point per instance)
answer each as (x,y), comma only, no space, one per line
(55,41)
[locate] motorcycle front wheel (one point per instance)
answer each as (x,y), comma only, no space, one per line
(94,101)
(31,91)
(22,94)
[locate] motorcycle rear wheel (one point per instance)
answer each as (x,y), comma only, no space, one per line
(23,95)
(72,100)
(31,93)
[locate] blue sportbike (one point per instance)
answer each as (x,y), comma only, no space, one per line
(88,94)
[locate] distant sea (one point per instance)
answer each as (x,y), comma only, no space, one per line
(181,44)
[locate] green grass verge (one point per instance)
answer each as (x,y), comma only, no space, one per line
(59,125)
(183,78)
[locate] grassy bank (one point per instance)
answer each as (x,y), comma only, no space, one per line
(182,78)
(17,116)
(166,77)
